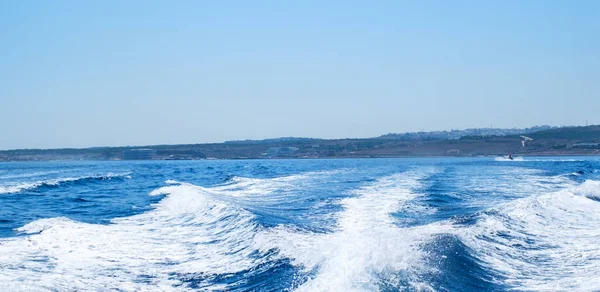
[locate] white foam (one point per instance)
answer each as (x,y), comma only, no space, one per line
(366,245)
(200,231)
(542,242)
(589,189)
(11,188)
(187,232)
(499,184)
(193,231)
(264,187)
(518,158)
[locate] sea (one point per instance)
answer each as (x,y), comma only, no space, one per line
(403,224)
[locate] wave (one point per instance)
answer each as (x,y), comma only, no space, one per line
(195,236)
(212,238)
(589,189)
(501,184)
(189,239)
(542,242)
(187,235)
(17,188)
(367,250)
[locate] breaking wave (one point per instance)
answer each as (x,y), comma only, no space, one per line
(542,242)
(20,187)
(191,238)
(368,249)
(195,235)
(247,233)
(187,235)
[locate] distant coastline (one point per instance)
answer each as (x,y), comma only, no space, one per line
(457,143)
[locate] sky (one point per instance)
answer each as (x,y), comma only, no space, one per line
(115,73)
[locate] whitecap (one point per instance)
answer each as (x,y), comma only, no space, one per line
(542,242)
(11,188)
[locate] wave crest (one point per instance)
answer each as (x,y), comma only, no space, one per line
(542,242)
(11,189)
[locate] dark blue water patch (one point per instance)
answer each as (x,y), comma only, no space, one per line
(227,178)
(303,212)
(593,198)
(80,200)
(456,268)
(584,171)
(271,219)
(578,169)
(361,181)
(6,226)
(96,204)
(261,170)
(273,275)
(441,200)
(437,208)
(145,279)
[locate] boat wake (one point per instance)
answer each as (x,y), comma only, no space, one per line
(518,158)
(217,239)
(368,249)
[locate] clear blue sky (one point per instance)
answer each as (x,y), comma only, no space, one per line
(95,73)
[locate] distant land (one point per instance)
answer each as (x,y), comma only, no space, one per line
(546,140)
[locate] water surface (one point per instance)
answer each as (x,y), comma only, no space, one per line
(430,224)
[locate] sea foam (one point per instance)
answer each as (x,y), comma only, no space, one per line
(367,248)
(542,242)
(9,188)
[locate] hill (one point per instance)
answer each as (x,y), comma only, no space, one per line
(548,141)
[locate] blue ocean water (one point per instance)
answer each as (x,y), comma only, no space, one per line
(427,224)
